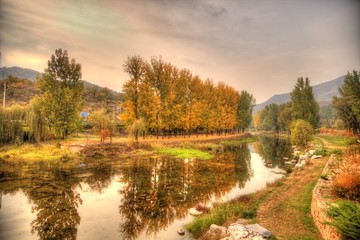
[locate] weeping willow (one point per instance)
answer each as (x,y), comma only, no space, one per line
(36,121)
(19,124)
(12,124)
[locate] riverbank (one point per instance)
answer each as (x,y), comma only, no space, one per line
(77,150)
(283,207)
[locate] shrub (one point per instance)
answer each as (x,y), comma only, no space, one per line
(301,133)
(347,181)
(346,219)
(347,185)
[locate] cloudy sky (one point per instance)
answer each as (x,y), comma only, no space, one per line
(261,46)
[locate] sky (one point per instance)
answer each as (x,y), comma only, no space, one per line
(261,46)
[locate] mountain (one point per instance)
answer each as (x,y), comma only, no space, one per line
(323,92)
(22,90)
(19,72)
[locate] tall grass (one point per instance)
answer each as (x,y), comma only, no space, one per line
(34,153)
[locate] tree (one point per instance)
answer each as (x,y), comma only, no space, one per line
(303,102)
(62,91)
(348,104)
(102,124)
(36,121)
(270,120)
(301,133)
(284,118)
(135,67)
(244,110)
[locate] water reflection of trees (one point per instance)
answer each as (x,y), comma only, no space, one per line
(160,190)
(52,191)
(243,164)
(100,177)
(155,192)
(273,149)
(55,202)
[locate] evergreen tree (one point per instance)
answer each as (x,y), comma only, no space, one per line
(348,104)
(62,91)
(303,104)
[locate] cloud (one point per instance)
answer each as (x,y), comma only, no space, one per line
(243,43)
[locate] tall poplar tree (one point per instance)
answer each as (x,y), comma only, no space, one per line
(62,91)
(135,67)
(303,103)
(244,110)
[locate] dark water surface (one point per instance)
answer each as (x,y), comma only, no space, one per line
(145,198)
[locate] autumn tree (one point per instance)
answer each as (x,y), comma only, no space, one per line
(244,110)
(162,99)
(134,66)
(102,124)
(304,105)
(347,105)
(61,88)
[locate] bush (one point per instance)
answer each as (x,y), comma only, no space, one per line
(346,216)
(347,182)
(301,133)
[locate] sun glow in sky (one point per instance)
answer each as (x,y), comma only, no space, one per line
(259,46)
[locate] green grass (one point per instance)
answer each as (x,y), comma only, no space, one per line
(221,214)
(339,140)
(34,153)
(184,153)
(302,203)
(346,218)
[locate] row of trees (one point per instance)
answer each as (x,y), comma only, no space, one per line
(162,99)
(280,118)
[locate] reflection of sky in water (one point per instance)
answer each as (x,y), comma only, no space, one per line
(99,211)
(262,176)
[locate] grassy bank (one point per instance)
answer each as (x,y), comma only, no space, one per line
(35,153)
(283,207)
(184,153)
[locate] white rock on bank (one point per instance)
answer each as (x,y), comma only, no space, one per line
(195,212)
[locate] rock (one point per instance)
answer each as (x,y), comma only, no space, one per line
(298,165)
(316,157)
(311,152)
(194,212)
(278,171)
(303,162)
(215,232)
(259,229)
(238,231)
(288,162)
(180,231)
(285,158)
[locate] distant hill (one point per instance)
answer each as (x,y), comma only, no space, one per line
(19,72)
(323,93)
(21,90)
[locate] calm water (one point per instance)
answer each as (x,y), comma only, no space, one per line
(131,199)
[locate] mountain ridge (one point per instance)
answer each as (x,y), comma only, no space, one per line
(323,92)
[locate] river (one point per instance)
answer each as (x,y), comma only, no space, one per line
(143,198)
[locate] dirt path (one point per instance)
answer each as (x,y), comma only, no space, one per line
(286,209)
